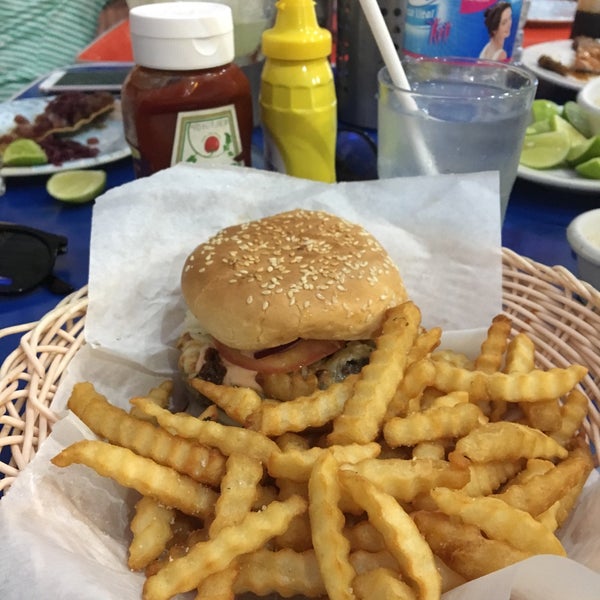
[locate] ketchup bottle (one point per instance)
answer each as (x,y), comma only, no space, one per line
(185,100)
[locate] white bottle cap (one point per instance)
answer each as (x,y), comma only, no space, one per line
(182,36)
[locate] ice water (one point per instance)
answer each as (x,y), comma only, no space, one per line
(468,128)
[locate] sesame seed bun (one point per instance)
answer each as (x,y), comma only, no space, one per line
(299,274)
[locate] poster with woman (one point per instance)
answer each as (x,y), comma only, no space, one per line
(468,28)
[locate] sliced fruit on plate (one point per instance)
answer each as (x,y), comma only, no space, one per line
(538,127)
(78,186)
(544,109)
(559,124)
(575,115)
(590,168)
(584,151)
(545,150)
(24,153)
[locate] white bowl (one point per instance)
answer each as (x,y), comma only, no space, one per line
(583,234)
(589,100)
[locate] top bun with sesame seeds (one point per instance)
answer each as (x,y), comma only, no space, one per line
(298,274)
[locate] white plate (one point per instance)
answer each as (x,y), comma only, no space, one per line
(108,131)
(549,12)
(559,50)
(561,178)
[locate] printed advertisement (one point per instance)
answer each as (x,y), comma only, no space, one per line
(467,28)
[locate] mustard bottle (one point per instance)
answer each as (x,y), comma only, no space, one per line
(298,105)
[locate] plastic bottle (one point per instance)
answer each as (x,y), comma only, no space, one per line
(185,99)
(298,104)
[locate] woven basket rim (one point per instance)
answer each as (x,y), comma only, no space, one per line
(30,375)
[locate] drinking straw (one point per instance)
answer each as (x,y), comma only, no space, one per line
(384,42)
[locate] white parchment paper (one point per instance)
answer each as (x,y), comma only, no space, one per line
(64,532)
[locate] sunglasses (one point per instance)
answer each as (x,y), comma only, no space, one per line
(27,258)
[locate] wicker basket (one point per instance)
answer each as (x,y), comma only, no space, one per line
(559,312)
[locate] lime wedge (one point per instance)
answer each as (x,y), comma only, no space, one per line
(24,153)
(573,113)
(544,109)
(545,150)
(559,124)
(589,168)
(76,186)
(584,151)
(539,127)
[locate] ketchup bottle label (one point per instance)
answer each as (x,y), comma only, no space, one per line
(208,136)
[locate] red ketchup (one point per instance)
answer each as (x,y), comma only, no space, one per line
(185,100)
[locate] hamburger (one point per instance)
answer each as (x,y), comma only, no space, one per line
(286,304)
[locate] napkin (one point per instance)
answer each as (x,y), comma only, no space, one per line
(64,532)
(443,233)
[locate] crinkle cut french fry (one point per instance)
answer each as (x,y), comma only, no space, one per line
(499,521)
(239,490)
(435,450)
(463,548)
(226,438)
(406,479)
(142,474)
(505,440)
(151,529)
(297,536)
(287,386)
(219,586)
(539,493)
(297,465)
(433,424)
(237,402)
(427,341)
(160,395)
(275,418)
(282,572)
(200,462)
(382,584)
(573,412)
(401,536)
(418,376)
(520,354)
(487,477)
(363,536)
(491,355)
(568,500)
(365,410)
(517,387)
(520,358)
(327,523)
(205,558)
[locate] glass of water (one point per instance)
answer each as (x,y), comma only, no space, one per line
(459,116)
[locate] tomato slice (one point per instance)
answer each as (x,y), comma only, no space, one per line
(289,358)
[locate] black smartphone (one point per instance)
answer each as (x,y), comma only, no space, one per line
(86,79)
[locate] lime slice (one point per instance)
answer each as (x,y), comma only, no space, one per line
(585,151)
(589,168)
(24,153)
(544,109)
(539,127)
(559,124)
(545,150)
(76,186)
(573,113)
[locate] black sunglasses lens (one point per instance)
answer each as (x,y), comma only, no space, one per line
(25,261)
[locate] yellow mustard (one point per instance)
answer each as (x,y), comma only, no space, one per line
(297,94)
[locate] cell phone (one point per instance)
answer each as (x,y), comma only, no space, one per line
(86,79)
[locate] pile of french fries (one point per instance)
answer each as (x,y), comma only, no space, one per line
(426,470)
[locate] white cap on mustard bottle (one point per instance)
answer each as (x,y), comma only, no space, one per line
(296,34)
